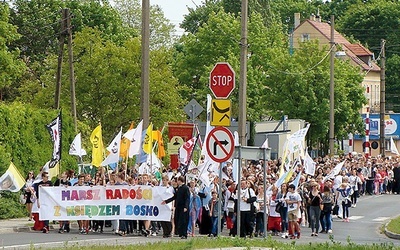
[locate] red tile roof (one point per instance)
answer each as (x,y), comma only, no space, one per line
(353,51)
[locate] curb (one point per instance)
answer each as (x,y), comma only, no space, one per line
(391,234)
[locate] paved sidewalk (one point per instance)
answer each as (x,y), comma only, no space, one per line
(15,225)
(22,225)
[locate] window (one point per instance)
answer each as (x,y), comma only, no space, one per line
(305,37)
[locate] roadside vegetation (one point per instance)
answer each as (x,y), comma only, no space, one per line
(225,242)
(394,225)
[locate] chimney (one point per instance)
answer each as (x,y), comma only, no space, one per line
(318,16)
(296,20)
(312,17)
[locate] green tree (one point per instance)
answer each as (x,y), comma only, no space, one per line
(28,142)
(108,84)
(393,83)
(218,40)
(161,29)
(11,68)
(298,86)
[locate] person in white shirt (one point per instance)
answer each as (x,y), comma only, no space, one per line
(293,200)
(247,197)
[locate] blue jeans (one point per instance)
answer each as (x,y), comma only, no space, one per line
(260,223)
(214,223)
(327,221)
(284,219)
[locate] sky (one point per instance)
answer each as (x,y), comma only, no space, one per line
(174,10)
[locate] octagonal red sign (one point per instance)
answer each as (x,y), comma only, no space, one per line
(222,80)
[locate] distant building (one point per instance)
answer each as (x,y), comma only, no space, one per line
(315,28)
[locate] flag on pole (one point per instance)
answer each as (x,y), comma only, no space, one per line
(54,128)
(97,150)
(53,172)
(76,146)
(296,181)
(148,140)
(335,171)
(136,140)
(157,136)
(125,144)
(114,150)
(309,164)
(393,147)
(186,150)
(12,179)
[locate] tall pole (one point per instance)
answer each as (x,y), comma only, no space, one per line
(382,100)
(243,76)
(332,90)
(145,96)
(71,69)
(60,59)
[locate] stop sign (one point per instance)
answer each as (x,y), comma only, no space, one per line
(222,80)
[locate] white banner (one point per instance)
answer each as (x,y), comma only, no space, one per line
(104,203)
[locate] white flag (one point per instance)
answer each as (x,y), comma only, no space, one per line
(335,171)
(114,149)
(393,147)
(265,144)
(309,164)
(76,146)
(295,141)
(135,136)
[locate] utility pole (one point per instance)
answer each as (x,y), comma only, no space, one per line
(60,58)
(144,94)
(382,100)
(243,76)
(332,90)
(71,69)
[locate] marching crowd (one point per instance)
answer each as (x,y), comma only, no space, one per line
(310,202)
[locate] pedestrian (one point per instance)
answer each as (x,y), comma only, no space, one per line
(281,198)
(213,204)
(247,197)
(45,182)
(327,202)
(315,201)
(343,197)
(182,198)
(293,200)
(29,193)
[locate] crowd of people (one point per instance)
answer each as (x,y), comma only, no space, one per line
(312,201)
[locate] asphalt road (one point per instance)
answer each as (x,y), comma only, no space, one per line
(366,220)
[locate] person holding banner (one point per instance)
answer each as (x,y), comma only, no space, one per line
(63,182)
(83,224)
(182,198)
(45,182)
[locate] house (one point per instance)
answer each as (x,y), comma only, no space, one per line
(315,28)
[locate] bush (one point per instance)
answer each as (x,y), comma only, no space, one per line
(10,206)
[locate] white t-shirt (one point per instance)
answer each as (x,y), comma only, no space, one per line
(293,197)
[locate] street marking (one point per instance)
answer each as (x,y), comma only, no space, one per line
(381,219)
(355,217)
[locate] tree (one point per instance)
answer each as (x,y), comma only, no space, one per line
(108,83)
(298,86)
(160,28)
(393,83)
(11,68)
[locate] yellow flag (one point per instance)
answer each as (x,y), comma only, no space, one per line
(157,136)
(54,172)
(125,143)
(97,142)
(148,140)
(18,180)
